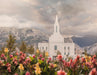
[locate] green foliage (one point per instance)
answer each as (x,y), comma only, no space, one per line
(11,43)
(30,50)
(58,53)
(23,47)
(43,53)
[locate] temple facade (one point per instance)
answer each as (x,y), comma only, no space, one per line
(58,44)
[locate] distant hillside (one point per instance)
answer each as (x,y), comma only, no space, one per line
(86,40)
(32,35)
(92,49)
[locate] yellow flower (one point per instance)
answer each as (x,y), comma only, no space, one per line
(6,50)
(21,67)
(37,69)
(37,51)
(46,54)
(55,65)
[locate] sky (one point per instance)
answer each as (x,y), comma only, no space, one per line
(76,17)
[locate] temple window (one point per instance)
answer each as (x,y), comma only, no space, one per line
(55,47)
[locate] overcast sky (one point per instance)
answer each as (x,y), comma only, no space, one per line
(76,17)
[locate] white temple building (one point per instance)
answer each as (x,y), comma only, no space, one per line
(57,43)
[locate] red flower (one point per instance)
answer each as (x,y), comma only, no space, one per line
(78,57)
(27,73)
(61,72)
(2,55)
(33,56)
(28,60)
(82,59)
(10,56)
(40,56)
(49,59)
(42,59)
(59,57)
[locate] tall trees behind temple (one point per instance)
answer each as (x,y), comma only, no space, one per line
(23,47)
(30,50)
(26,49)
(11,43)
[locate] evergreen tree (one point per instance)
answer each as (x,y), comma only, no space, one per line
(58,53)
(11,43)
(30,50)
(43,54)
(23,47)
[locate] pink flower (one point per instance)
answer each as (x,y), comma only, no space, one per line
(33,56)
(8,65)
(61,72)
(2,55)
(51,65)
(28,60)
(15,62)
(78,57)
(16,74)
(10,56)
(59,57)
(93,72)
(27,73)
(24,63)
(9,69)
(49,59)
(40,56)
(17,53)
(42,59)
(82,59)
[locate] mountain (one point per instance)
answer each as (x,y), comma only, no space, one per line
(29,35)
(92,49)
(86,40)
(33,35)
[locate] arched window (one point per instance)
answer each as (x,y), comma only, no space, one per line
(55,47)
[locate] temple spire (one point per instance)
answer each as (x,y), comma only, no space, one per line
(56,25)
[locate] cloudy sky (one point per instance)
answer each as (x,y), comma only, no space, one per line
(76,17)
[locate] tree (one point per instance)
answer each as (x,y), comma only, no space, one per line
(11,43)
(58,53)
(30,50)
(23,47)
(43,54)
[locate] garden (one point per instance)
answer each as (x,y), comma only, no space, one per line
(21,64)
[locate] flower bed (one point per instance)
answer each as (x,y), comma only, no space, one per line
(20,64)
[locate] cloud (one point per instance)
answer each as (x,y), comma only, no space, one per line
(76,17)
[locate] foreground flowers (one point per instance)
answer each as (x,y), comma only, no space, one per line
(37,69)
(21,64)
(6,50)
(61,72)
